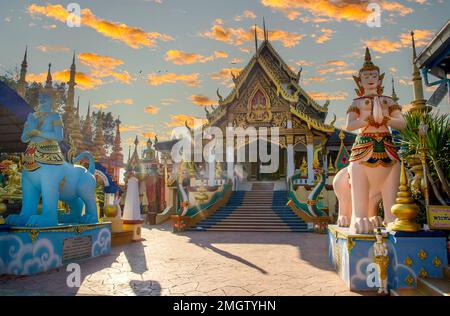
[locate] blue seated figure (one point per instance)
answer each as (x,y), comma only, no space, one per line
(46,174)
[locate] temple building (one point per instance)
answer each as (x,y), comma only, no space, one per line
(267,93)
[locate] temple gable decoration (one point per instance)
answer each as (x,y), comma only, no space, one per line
(259,107)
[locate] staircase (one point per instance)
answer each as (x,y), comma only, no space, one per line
(426,287)
(254,211)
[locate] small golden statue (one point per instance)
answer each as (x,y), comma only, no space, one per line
(381,258)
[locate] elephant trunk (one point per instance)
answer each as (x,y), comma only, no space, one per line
(89,157)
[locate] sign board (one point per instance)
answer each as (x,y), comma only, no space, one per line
(439,217)
(77,248)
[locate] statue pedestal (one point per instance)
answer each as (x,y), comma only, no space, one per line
(411,255)
(28,251)
(134,226)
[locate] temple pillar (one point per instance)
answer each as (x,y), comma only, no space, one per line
(325,162)
(290,152)
(310,157)
(230,163)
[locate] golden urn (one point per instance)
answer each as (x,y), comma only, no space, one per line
(110,211)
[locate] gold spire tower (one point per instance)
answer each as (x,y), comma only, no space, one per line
(87,129)
(22,83)
(394,94)
(419,103)
(99,151)
(68,115)
(77,136)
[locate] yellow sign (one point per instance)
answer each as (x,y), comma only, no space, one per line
(439,217)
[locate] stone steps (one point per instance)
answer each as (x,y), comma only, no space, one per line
(254,211)
(426,287)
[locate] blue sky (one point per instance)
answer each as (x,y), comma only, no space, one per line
(188,47)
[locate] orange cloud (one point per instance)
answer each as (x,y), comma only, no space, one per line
(201,100)
(156,79)
(84,81)
(52,48)
(151,109)
(238,36)
(132,36)
(315,79)
(247,14)
(336,96)
(149,135)
(168,101)
(384,46)
(179,57)
(177,120)
(349,10)
(325,36)
(104,66)
(226,74)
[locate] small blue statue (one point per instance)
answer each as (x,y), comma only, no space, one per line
(46,174)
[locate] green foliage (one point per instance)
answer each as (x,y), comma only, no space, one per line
(437,143)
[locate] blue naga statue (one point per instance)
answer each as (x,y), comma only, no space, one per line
(46,174)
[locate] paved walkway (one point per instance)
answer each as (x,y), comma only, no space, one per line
(199,263)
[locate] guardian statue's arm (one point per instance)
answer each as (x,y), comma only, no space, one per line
(354,119)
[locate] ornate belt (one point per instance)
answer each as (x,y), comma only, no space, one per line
(46,152)
(379,145)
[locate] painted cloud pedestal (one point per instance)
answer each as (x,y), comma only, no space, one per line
(28,251)
(411,255)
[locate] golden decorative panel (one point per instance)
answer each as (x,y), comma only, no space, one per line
(437,262)
(423,273)
(408,261)
(409,280)
(422,254)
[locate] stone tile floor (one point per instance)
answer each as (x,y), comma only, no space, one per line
(198,263)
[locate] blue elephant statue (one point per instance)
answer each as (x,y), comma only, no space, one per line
(47,175)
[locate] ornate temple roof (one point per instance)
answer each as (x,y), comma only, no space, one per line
(287,84)
(13,114)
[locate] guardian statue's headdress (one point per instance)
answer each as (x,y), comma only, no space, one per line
(368,66)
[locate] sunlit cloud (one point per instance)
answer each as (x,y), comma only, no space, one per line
(179,57)
(226,74)
(84,81)
(384,46)
(332,96)
(104,66)
(177,120)
(168,101)
(348,10)
(132,36)
(151,109)
(53,49)
(156,79)
(324,37)
(201,100)
(239,36)
(247,14)
(105,105)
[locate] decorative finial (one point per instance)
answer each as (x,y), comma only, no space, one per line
(136,141)
(413,46)
(26,54)
(48,82)
(265,31)
(394,94)
(256,39)
(341,135)
(73,60)
(405,210)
